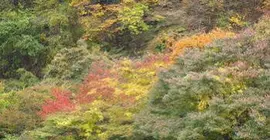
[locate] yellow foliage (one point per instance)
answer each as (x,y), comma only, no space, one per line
(237,20)
(133,78)
(137,80)
(78,2)
(203,103)
(95,18)
(199,41)
(1,87)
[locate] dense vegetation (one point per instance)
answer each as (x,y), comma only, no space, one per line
(134,69)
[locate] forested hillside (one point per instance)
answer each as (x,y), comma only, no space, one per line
(135,69)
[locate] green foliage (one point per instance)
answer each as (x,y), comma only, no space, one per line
(18,111)
(11,137)
(72,63)
(18,47)
(1,87)
(160,47)
(6,100)
(62,126)
(25,79)
(29,38)
(108,24)
(131,18)
(220,92)
(5,4)
(13,23)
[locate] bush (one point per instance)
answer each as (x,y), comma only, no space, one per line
(29,38)
(213,13)
(69,63)
(198,41)
(19,110)
(1,87)
(19,48)
(24,79)
(61,102)
(263,27)
(220,92)
(108,24)
(132,18)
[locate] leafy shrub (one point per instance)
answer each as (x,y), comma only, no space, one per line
(263,27)
(127,16)
(69,63)
(166,38)
(1,87)
(31,37)
(5,4)
(61,102)
(199,41)
(132,18)
(220,92)
(18,110)
(213,13)
(108,24)
(75,125)
(25,79)
(6,100)
(18,48)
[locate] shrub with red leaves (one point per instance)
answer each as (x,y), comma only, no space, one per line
(95,85)
(60,103)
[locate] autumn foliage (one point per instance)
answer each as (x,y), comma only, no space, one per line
(116,92)
(60,103)
(199,41)
(95,85)
(126,80)
(134,69)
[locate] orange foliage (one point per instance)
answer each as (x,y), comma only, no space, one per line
(199,41)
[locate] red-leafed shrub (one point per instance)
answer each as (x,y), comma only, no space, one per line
(60,103)
(96,84)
